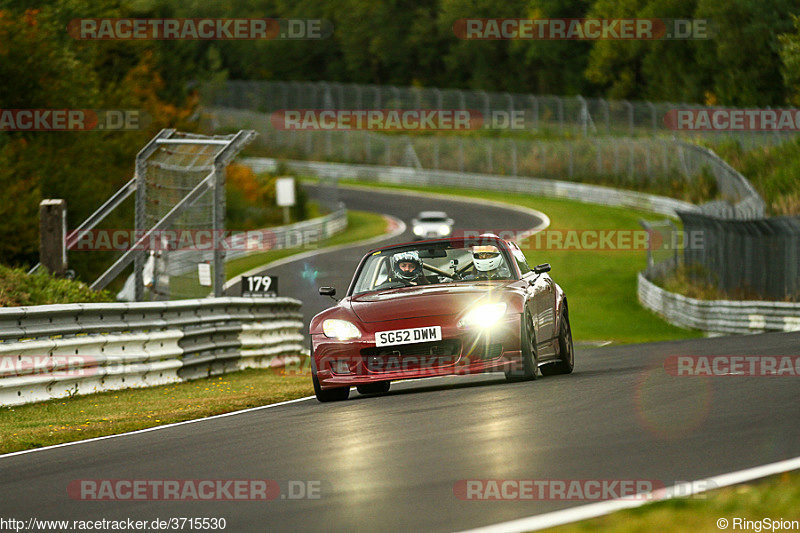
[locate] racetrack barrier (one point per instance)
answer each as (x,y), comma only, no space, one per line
(56,351)
(581,192)
(718,316)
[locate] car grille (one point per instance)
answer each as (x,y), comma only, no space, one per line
(414,356)
(486,351)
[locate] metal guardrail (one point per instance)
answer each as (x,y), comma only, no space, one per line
(718,316)
(55,351)
(546,187)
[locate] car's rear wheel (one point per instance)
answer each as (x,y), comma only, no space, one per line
(566,351)
(374,388)
(530,367)
(327,395)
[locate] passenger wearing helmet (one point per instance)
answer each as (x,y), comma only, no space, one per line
(406,266)
(488,263)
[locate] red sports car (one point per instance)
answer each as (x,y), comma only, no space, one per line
(432,308)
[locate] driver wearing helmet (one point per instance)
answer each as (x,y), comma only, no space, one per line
(406,266)
(488,263)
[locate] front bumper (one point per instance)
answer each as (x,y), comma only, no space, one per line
(461,351)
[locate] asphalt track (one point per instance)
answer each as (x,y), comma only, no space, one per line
(390,463)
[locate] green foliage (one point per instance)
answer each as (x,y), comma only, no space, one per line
(19,288)
(790,56)
(42,66)
(773,171)
(739,65)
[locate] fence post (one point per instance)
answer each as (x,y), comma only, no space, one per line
(630,115)
(53,235)
(139,222)
(535,108)
(218,209)
(513,158)
(653,111)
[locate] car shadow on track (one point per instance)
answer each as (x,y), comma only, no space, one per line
(431,387)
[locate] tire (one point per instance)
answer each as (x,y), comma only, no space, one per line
(374,388)
(329,395)
(566,351)
(530,366)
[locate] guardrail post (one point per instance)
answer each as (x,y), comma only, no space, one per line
(53,235)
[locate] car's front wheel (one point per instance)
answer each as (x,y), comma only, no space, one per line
(566,351)
(327,395)
(527,341)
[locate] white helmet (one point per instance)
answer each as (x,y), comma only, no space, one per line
(486,258)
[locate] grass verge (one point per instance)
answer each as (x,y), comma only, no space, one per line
(600,284)
(776,498)
(106,413)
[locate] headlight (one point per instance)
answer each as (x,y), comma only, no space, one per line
(484,316)
(444,229)
(418,231)
(340,329)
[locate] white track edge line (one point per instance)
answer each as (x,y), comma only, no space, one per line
(156,428)
(594,510)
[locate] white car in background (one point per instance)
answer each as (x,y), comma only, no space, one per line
(432,225)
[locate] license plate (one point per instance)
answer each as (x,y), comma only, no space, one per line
(407,336)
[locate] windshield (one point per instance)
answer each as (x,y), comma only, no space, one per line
(432,264)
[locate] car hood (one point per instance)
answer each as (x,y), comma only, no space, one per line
(413,302)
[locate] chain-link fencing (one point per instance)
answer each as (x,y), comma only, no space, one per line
(659,165)
(746,258)
(574,115)
(177,245)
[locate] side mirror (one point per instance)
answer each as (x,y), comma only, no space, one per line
(541,269)
(327,291)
